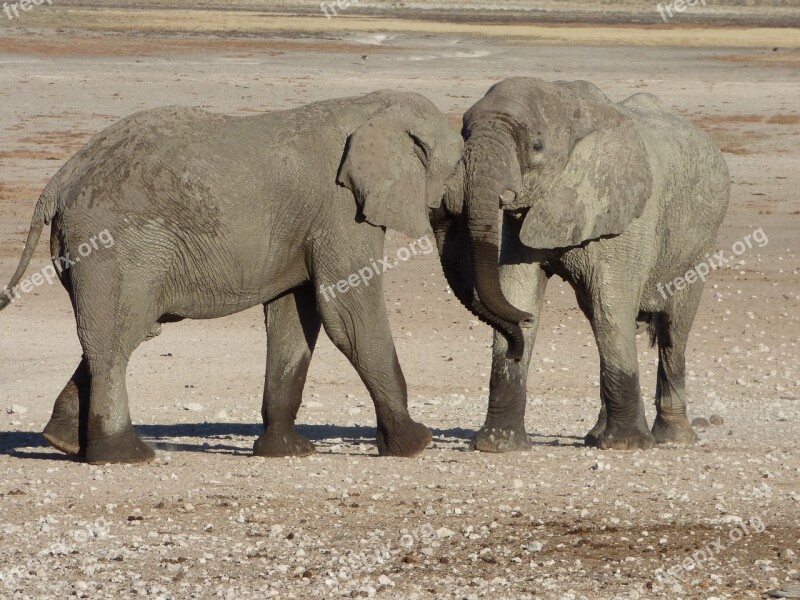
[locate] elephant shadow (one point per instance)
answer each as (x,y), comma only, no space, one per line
(226,438)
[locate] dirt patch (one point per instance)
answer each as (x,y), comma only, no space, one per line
(19,192)
(32,154)
(774,58)
(784,120)
(66,141)
(727,132)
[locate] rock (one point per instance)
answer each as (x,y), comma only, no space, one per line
(384,580)
(444,532)
(17,409)
(533,546)
(193,406)
(716,420)
(700,422)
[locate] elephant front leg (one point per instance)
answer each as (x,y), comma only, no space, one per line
(523,284)
(66,429)
(626,426)
(293,325)
(357,324)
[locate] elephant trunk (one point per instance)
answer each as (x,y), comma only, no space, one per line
(452,243)
(485,187)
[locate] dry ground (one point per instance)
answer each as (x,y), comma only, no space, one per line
(560,521)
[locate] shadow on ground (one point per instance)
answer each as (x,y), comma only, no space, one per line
(227,437)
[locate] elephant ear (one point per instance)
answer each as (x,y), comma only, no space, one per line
(395,170)
(603,187)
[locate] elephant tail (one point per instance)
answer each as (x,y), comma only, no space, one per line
(46,209)
(658,330)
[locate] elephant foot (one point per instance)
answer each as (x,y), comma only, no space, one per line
(501,439)
(591,438)
(63,431)
(631,437)
(406,441)
(284,442)
(121,447)
(62,434)
(674,430)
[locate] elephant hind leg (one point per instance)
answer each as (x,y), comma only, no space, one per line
(66,429)
(672,333)
(114,315)
(293,325)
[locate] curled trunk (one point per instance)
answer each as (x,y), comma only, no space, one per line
(485,183)
(467,259)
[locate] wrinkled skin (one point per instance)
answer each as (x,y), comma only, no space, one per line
(213,214)
(613,198)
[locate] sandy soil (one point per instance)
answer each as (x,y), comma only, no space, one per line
(560,521)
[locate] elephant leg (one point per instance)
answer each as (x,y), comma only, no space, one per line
(599,426)
(672,333)
(357,324)
(293,325)
(66,429)
(614,327)
(523,284)
(602,417)
(113,316)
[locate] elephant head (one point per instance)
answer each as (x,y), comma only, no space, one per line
(560,154)
(396,163)
(399,164)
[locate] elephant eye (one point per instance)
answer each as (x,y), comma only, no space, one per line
(537,146)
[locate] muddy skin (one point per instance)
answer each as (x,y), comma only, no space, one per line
(275,443)
(505,439)
(504,428)
(674,429)
(405,441)
(122,447)
(626,427)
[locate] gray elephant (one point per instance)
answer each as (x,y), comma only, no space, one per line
(213,214)
(619,200)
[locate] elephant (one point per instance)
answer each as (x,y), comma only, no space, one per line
(617,199)
(212,214)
